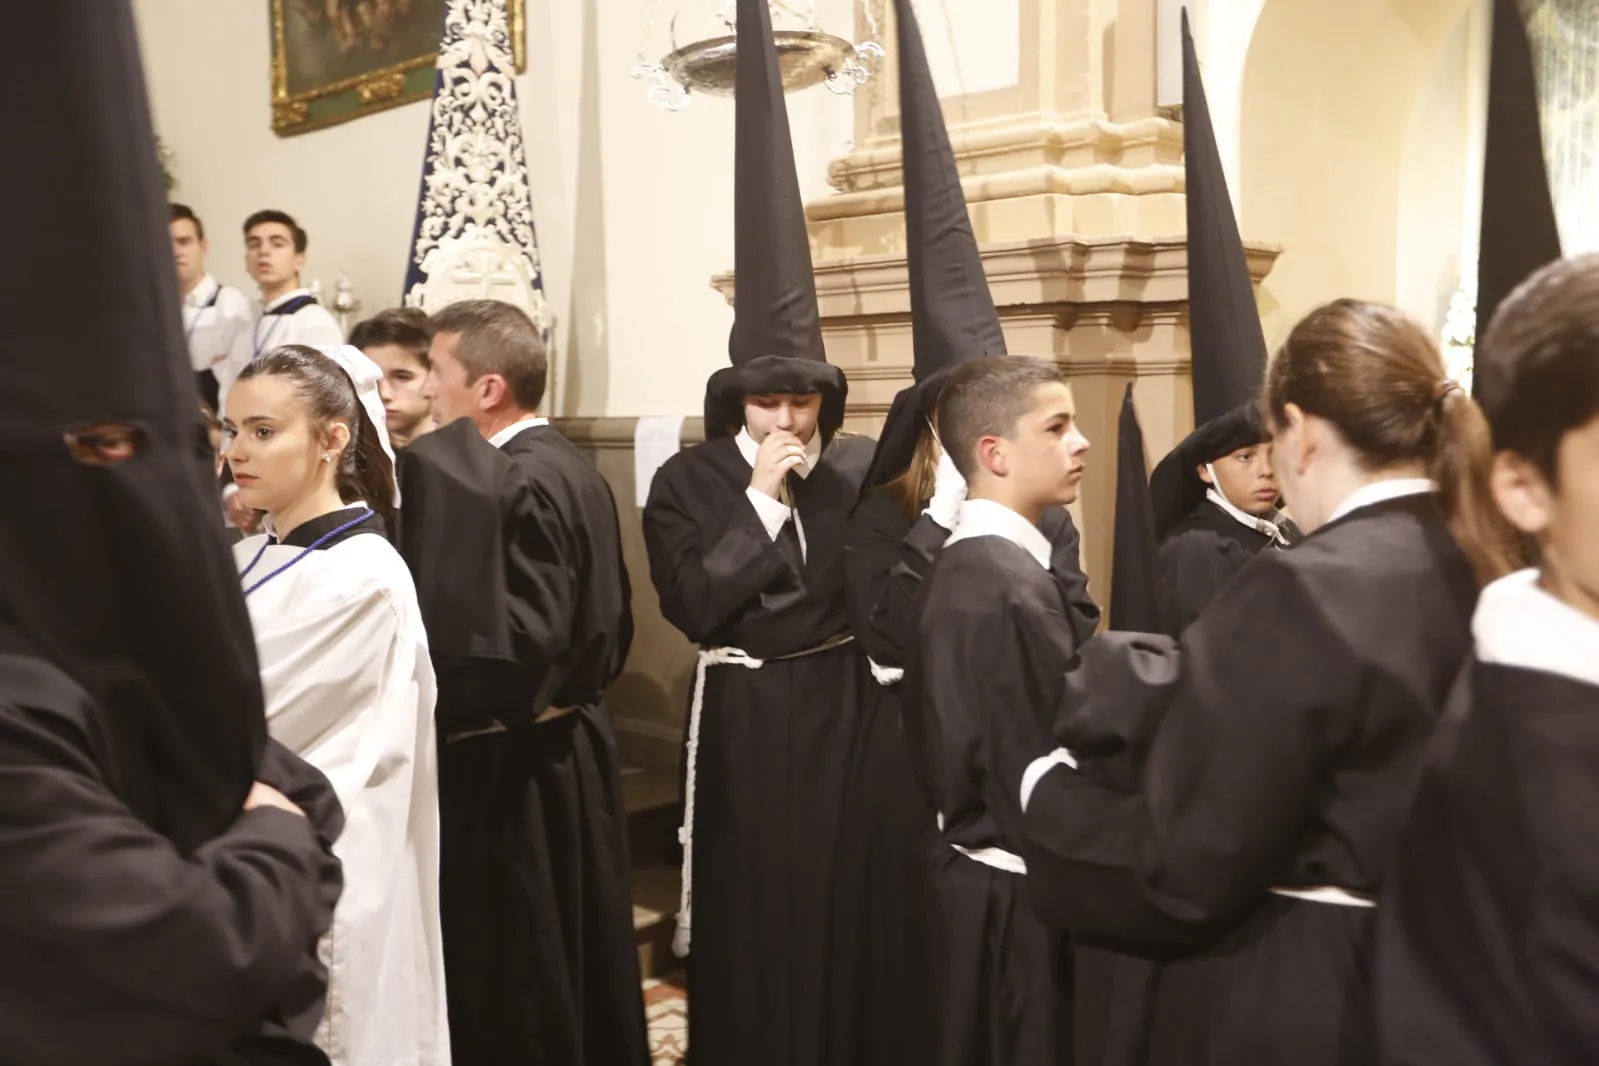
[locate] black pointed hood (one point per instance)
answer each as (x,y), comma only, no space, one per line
(1134,588)
(1225,336)
(1175,488)
(953,319)
(1519,231)
(112,561)
(776,344)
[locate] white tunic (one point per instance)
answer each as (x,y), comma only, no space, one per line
(216,323)
(349,686)
(312,325)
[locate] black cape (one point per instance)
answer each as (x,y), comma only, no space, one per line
(518,565)
(885,916)
(1198,558)
(994,637)
(1488,945)
(1276,748)
(774,743)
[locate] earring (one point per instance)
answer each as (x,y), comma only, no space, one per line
(327,457)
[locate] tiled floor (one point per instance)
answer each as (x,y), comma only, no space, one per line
(666,1008)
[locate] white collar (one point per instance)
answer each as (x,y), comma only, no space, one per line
(1519,624)
(503,437)
(1381,492)
(203,291)
(987,518)
(750,450)
(1264,526)
(285,298)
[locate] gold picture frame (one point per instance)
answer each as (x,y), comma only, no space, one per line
(313,95)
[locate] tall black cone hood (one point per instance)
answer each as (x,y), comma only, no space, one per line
(1519,231)
(1134,580)
(953,318)
(952,313)
(117,574)
(777,325)
(1228,345)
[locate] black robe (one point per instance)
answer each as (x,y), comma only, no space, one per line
(1488,943)
(994,639)
(773,747)
(1276,748)
(885,956)
(1197,559)
(120,949)
(518,563)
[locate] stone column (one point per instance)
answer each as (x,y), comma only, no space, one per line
(1075,185)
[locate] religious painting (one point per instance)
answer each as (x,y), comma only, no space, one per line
(336,60)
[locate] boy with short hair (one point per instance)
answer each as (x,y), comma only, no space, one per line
(1489,935)
(397,341)
(994,640)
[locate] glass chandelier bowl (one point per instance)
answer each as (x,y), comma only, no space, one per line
(806,54)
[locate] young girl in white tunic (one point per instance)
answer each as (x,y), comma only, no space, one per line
(348,683)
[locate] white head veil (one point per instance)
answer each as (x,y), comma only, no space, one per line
(366,374)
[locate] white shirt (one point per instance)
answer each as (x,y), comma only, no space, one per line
(1518,624)
(503,437)
(312,325)
(986,518)
(774,513)
(216,323)
(1381,492)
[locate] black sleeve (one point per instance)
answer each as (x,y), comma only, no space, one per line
(121,950)
(885,560)
(1231,775)
(1194,567)
(1066,565)
(707,567)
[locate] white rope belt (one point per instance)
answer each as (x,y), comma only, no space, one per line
(995,858)
(709,657)
(1329,894)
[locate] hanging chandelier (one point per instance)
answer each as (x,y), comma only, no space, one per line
(806,55)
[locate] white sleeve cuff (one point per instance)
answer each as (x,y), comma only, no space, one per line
(771,513)
(1039,767)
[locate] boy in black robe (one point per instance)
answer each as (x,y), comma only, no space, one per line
(993,640)
(1275,748)
(885,954)
(1214,500)
(1489,934)
(157,903)
(745,535)
(512,535)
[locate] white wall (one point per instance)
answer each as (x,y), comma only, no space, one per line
(634,206)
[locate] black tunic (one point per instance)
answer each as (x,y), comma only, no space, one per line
(120,949)
(885,921)
(1277,748)
(526,599)
(1200,555)
(994,639)
(1488,944)
(773,747)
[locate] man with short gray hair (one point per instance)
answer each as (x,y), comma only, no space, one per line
(513,538)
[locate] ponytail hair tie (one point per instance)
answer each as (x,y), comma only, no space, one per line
(1441,391)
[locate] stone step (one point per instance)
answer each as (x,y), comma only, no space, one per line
(655,899)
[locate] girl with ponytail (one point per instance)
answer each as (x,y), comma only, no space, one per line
(1277,743)
(348,682)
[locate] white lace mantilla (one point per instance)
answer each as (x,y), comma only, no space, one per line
(475,235)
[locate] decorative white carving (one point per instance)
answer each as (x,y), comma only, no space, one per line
(475,236)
